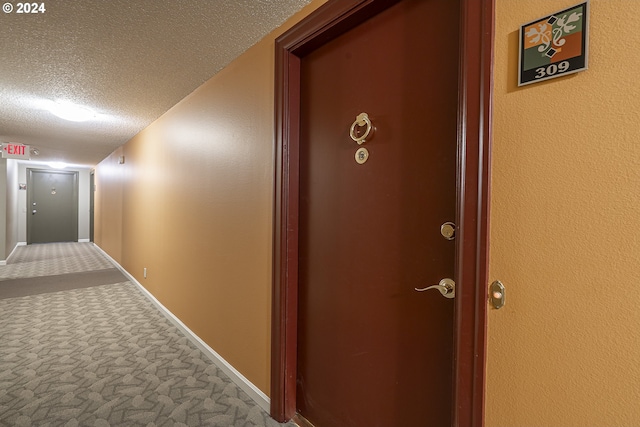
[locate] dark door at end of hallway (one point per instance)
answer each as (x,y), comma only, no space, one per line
(52,206)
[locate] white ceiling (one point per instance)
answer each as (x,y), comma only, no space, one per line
(128,60)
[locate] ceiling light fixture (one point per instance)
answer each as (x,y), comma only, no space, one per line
(70,111)
(58,165)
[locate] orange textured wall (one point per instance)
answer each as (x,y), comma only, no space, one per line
(565,239)
(193,204)
(109,186)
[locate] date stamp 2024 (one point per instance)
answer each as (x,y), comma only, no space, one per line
(24,8)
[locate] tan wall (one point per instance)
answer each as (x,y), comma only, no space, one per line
(565,238)
(193,204)
(109,184)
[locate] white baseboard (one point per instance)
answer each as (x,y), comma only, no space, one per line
(4,262)
(240,380)
(84,240)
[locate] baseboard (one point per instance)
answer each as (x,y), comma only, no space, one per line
(240,380)
(84,240)
(4,262)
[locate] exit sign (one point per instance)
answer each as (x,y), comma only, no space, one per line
(15,151)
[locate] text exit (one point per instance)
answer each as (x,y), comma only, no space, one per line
(15,151)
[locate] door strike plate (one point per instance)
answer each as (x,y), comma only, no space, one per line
(496,294)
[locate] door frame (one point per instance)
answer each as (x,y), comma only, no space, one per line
(472,199)
(74,217)
(92,203)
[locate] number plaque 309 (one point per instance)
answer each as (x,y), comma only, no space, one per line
(553,46)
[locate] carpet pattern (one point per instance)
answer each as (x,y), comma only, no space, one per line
(53,259)
(105,356)
(21,287)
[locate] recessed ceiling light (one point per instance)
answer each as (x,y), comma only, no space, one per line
(70,111)
(58,165)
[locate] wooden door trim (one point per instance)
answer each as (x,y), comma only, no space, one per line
(474,120)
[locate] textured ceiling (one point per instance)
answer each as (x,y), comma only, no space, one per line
(128,60)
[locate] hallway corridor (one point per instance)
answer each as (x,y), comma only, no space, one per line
(81,345)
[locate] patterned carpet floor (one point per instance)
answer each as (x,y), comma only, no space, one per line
(104,356)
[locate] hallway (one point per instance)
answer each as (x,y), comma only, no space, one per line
(184,197)
(81,345)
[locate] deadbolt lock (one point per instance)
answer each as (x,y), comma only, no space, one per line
(448,230)
(362,155)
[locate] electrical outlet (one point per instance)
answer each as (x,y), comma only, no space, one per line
(145,272)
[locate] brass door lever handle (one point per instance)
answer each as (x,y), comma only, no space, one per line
(447,288)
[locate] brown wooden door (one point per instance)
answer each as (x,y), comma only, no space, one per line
(371,350)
